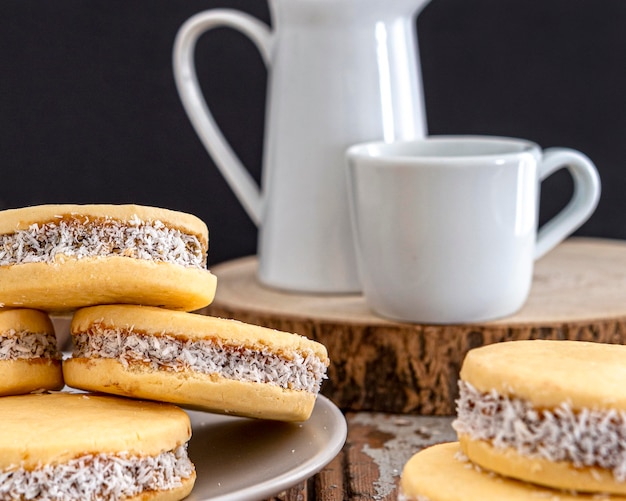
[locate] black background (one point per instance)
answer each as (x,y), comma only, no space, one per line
(89,112)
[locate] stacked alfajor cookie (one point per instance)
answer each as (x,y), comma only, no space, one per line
(29,355)
(197,361)
(130,276)
(63,257)
(535,419)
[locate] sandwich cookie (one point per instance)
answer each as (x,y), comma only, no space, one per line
(61,257)
(29,359)
(443,473)
(549,412)
(69,446)
(208,363)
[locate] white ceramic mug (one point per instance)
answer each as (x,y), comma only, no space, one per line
(340,72)
(446,227)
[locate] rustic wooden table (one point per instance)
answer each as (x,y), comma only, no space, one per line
(370,464)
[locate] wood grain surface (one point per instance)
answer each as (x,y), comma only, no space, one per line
(371,462)
(578,293)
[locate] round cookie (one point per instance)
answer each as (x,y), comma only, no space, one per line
(29,359)
(443,473)
(549,412)
(62,257)
(197,361)
(82,446)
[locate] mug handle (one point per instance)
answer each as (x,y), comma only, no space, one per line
(237,176)
(582,204)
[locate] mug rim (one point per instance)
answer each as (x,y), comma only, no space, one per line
(383,150)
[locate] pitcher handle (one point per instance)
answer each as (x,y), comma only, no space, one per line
(583,202)
(235,173)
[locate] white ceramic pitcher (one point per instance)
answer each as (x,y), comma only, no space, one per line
(340,72)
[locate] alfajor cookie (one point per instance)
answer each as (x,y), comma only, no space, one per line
(443,473)
(549,412)
(69,446)
(29,358)
(62,257)
(198,361)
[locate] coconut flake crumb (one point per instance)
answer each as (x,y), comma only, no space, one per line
(295,371)
(84,237)
(585,437)
(102,476)
(27,345)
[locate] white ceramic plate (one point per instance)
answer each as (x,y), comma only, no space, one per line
(246,460)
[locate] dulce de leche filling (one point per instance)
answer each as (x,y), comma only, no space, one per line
(584,437)
(81,236)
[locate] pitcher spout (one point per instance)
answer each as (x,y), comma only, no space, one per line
(351,10)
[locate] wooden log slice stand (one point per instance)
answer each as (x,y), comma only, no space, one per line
(578,293)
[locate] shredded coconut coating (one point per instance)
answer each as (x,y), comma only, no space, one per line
(26,345)
(297,371)
(84,237)
(103,477)
(585,437)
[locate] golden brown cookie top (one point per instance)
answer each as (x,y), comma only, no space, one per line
(24,320)
(160,322)
(12,220)
(56,427)
(548,373)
